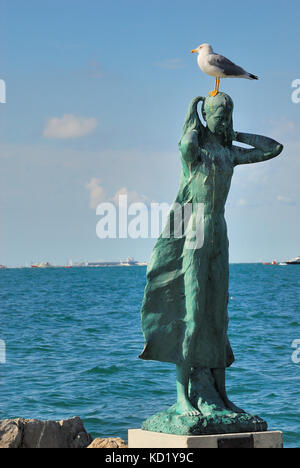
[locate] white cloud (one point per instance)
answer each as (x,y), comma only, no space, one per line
(69,126)
(284,199)
(132,196)
(97,193)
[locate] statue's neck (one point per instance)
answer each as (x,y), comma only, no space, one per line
(214,138)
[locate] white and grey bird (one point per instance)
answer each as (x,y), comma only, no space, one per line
(218,66)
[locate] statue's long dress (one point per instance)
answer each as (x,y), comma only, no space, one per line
(184,311)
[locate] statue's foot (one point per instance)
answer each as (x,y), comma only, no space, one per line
(185,408)
(232,407)
(213,93)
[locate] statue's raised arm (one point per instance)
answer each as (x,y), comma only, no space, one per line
(264,148)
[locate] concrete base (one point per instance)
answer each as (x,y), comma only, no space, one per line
(138,438)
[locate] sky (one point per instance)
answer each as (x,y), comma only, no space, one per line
(96,96)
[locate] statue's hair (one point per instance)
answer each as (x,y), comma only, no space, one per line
(192,120)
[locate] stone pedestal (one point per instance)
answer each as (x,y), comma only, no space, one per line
(138,438)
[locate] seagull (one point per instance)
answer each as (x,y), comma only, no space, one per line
(216,65)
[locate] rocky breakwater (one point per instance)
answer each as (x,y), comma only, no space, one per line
(32,433)
(68,433)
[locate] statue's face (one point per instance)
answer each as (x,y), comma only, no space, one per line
(217,114)
(218,121)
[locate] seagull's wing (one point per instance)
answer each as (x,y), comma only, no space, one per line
(228,68)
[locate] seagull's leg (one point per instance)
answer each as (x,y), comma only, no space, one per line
(216,90)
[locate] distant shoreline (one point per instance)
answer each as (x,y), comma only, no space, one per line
(103,265)
(61,267)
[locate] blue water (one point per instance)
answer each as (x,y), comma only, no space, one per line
(73,337)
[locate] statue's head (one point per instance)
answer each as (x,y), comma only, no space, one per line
(217,113)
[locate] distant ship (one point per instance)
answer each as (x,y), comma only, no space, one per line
(42,265)
(294,261)
(2,267)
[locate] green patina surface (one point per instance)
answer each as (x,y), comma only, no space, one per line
(184,311)
(218,422)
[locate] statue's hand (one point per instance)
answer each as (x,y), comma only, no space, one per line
(235,136)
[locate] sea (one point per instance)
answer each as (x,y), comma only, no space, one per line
(72,338)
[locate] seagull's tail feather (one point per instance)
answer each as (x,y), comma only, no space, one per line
(252,77)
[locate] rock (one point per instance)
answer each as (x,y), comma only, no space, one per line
(41,434)
(108,443)
(11,432)
(33,433)
(75,434)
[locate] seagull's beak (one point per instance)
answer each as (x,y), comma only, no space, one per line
(194,51)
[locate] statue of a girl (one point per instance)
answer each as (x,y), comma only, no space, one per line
(184,311)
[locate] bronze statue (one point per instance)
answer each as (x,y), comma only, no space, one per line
(184,311)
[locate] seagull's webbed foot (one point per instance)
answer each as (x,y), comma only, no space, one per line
(216,90)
